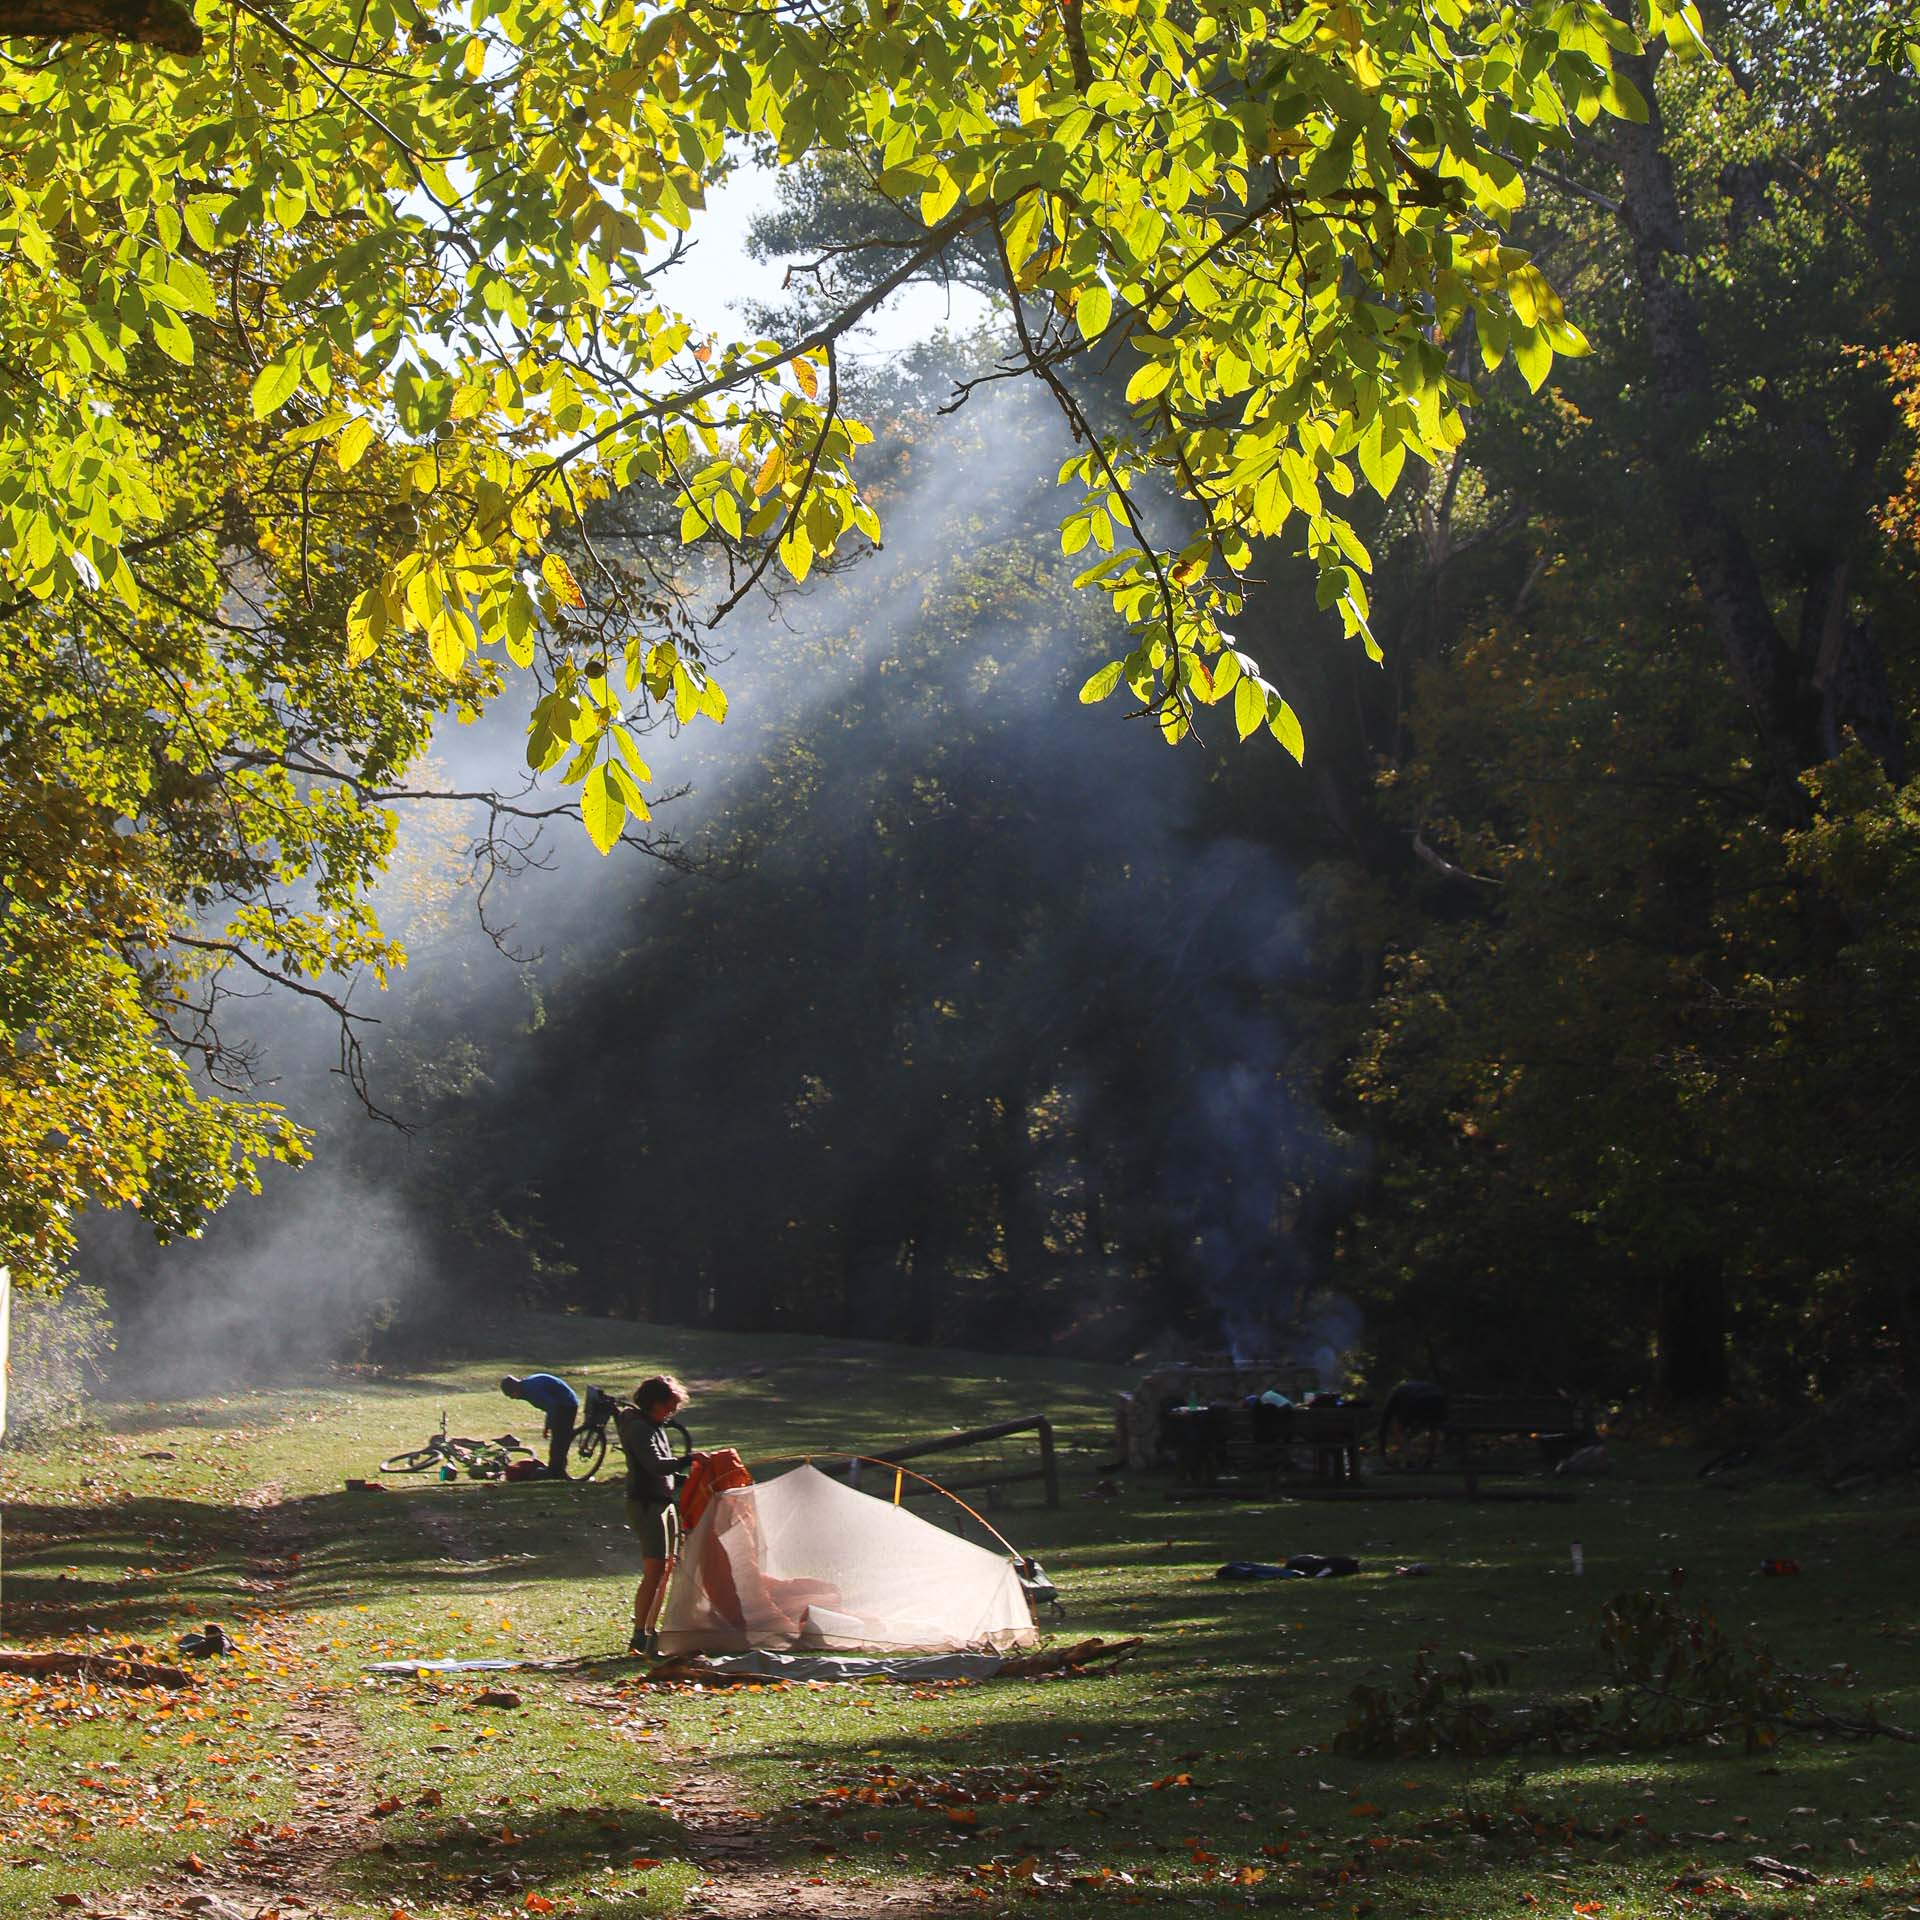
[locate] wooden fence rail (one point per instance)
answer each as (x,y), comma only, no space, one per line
(1038,1424)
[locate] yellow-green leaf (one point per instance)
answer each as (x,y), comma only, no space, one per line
(173,336)
(366,625)
(190,288)
(1532,355)
(602,808)
(355,438)
(1153,378)
(1249,706)
(275,384)
(1284,724)
(559,576)
(1093,310)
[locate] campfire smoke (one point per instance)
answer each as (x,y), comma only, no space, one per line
(1259,1176)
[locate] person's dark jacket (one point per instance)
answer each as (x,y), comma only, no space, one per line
(1420,1406)
(651,1478)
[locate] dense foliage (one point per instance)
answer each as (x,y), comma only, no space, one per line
(323,328)
(1642,1070)
(1552,1013)
(1573,1053)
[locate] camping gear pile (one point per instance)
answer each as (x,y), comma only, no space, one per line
(1298,1566)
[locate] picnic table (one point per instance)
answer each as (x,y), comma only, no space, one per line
(1537,1416)
(1217,1440)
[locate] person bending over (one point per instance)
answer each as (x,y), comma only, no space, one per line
(1414,1406)
(653,1486)
(559,1403)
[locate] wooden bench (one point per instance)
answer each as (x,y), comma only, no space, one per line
(1537,1416)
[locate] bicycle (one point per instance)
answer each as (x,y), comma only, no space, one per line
(589,1448)
(479,1459)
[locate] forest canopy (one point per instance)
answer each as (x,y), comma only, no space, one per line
(1539,1007)
(326,329)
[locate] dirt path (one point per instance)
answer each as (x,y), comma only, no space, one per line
(748,1877)
(750,1866)
(274,1868)
(753,1867)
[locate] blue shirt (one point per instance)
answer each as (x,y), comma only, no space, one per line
(549,1393)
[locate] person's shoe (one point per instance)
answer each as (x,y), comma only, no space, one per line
(638,1645)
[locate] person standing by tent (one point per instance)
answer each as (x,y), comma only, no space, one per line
(559,1403)
(653,1484)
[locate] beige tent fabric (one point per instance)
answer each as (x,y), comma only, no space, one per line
(803,1563)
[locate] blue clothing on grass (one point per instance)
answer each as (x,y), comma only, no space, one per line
(550,1394)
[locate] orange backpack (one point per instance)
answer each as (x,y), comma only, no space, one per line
(711,1473)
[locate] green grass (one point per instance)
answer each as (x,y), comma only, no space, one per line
(1178,1780)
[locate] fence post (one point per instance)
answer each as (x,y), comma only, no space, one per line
(1048,1464)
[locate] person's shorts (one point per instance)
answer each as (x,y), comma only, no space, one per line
(656,1528)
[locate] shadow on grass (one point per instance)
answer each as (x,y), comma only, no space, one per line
(121,1565)
(511,1850)
(520,1848)
(970,1803)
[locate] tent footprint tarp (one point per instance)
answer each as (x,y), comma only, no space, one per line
(805,1564)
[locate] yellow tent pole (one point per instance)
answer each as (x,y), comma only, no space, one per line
(898,1470)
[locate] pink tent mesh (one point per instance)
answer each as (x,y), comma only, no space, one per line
(805,1564)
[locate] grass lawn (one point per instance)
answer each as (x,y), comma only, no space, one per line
(1198,1775)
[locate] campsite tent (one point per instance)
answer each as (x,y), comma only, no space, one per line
(805,1563)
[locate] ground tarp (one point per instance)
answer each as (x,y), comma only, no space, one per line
(853,1666)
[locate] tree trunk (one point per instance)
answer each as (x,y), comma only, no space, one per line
(1906,1317)
(1693,1330)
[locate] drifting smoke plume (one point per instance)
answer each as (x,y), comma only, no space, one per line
(299,1276)
(1256,1175)
(293,1277)
(958,869)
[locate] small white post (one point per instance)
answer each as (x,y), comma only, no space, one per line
(6,1367)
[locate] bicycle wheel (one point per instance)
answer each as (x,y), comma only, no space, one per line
(417,1461)
(683,1448)
(589,1449)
